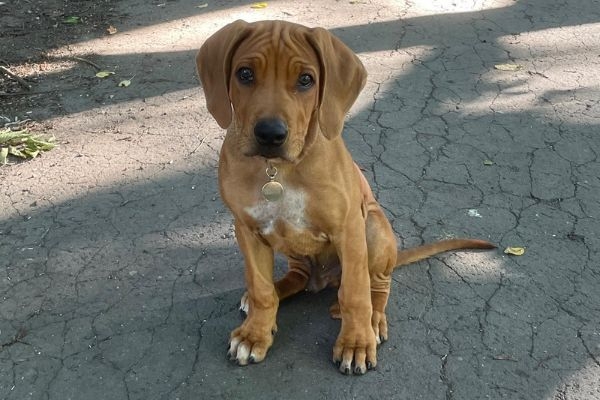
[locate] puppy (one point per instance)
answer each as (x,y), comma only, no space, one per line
(282,91)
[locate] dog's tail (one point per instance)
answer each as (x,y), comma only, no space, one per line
(407,256)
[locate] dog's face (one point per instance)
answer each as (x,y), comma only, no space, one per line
(274,92)
(277,85)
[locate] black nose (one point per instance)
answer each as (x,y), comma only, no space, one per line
(270,132)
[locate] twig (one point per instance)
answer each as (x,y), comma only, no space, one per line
(26,93)
(197,147)
(21,122)
(21,81)
(88,62)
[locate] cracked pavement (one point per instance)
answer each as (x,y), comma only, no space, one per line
(119,273)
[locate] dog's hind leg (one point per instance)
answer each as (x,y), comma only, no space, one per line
(293,282)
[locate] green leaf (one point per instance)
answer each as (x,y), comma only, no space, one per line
(46,146)
(22,144)
(3,155)
(12,150)
(104,74)
(36,143)
(72,20)
(31,152)
(8,137)
(124,83)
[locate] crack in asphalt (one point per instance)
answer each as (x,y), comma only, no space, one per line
(115,271)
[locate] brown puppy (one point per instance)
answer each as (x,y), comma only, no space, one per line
(282,91)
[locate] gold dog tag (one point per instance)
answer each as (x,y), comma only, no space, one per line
(272,191)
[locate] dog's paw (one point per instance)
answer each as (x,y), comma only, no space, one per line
(355,352)
(247,345)
(244,304)
(380,328)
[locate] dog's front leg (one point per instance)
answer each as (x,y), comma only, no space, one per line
(355,349)
(251,340)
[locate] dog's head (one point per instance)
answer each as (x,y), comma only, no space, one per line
(276,85)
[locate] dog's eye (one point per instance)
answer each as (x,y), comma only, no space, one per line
(245,75)
(305,81)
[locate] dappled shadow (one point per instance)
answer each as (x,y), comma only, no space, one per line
(150,268)
(157,73)
(467,28)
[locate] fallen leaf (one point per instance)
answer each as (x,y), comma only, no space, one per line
(111,30)
(3,155)
(508,67)
(515,251)
(15,151)
(36,143)
(72,20)
(202,5)
(488,162)
(262,4)
(31,153)
(124,83)
(104,74)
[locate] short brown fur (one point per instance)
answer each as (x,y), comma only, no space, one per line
(328,222)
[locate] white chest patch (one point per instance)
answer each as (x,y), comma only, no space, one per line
(290,209)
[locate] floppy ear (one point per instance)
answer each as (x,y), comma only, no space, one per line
(342,78)
(213,63)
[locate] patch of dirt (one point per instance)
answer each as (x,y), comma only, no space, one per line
(29,31)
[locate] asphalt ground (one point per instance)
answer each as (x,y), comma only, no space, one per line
(119,272)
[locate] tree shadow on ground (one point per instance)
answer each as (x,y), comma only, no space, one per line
(117,275)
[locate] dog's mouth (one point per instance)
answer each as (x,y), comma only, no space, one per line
(269,155)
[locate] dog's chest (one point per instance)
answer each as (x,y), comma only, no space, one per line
(290,209)
(285,224)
